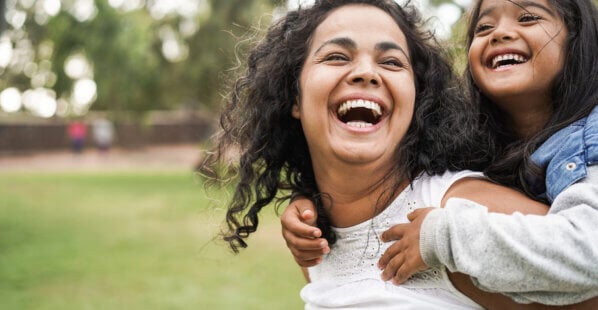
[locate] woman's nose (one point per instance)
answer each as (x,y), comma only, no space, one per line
(364,73)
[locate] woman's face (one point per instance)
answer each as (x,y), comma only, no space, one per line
(517,50)
(357,88)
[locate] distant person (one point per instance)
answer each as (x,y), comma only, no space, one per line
(77,131)
(103,134)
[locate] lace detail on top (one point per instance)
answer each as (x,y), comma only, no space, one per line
(355,255)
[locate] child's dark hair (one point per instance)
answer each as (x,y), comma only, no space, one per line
(257,122)
(574,95)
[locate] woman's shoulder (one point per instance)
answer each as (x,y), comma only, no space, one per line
(433,188)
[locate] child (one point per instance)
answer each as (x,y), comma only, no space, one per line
(532,68)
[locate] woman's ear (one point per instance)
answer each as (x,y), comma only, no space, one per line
(296,111)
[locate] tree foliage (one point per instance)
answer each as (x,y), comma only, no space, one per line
(213,51)
(125,50)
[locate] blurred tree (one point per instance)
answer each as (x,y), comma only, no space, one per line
(199,80)
(139,59)
(126,67)
(2,9)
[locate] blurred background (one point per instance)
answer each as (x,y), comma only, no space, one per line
(105,109)
(137,71)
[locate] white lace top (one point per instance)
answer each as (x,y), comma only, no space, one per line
(348,277)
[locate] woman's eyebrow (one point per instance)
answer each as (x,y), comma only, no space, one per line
(387,45)
(343,42)
(348,43)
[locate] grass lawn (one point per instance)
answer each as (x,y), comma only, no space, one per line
(132,241)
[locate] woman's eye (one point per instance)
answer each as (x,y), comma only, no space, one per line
(393,62)
(529,17)
(336,57)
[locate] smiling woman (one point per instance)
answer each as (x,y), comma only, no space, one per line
(314,80)
(348,102)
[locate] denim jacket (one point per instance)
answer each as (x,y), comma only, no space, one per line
(566,155)
(494,249)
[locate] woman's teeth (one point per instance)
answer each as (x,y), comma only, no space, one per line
(360,124)
(352,104)
(359,113)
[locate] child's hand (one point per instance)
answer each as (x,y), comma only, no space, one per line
(402,259)
(302,237)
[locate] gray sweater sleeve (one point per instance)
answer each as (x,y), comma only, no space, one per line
(550,259)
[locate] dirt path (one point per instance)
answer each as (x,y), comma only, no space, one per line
(164,157)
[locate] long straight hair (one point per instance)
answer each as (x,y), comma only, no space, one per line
(573,96)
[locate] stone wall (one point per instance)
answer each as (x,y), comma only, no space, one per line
(41,135)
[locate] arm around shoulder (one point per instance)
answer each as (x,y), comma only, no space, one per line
(496,198)
(548,259)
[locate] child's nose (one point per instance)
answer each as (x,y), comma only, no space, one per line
(503,32)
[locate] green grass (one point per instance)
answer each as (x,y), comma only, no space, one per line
(132,241)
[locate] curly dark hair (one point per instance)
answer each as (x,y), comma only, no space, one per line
(257,121)
(574,95)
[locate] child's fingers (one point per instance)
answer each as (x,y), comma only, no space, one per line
(292,223)
(299,229)
(410,266)
(309,253)
(308,216)
(308,263)
(304,244)
(307,256)
(306,210)
(396,232)
(417,213)
(403,274)
(389,254)
(392,266)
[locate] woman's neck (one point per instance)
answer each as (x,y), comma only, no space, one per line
(353,194)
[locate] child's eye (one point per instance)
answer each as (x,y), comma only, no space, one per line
(482,27)
(529,17)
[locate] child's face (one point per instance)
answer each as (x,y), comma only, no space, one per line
(517,50)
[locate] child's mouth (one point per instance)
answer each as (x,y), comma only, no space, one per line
(506,60)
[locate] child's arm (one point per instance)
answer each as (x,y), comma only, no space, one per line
(403,258)
(302,236)
(497,301)
(549,259)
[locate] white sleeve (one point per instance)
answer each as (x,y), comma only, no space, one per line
(433,189)
(550,259)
